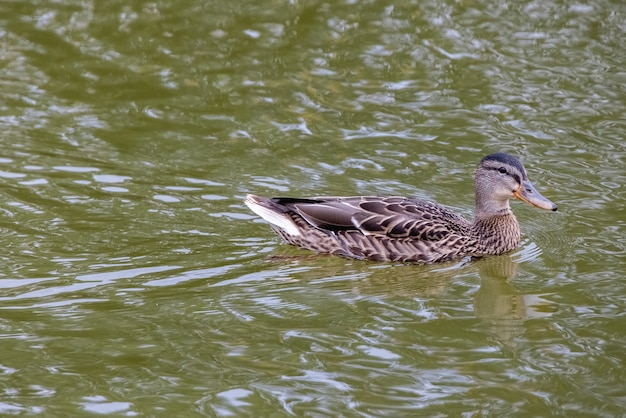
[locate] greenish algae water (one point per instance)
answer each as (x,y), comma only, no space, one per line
(134,281)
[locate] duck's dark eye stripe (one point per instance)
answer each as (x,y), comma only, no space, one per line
(499,169)
(503,170)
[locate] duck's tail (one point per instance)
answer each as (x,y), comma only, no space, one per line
(273,212)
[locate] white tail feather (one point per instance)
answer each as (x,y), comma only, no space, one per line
(277,219)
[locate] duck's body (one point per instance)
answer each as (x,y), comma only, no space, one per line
(403,229)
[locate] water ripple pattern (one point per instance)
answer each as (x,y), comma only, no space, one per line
(135,282)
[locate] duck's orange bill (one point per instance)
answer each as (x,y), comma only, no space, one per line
(528,194)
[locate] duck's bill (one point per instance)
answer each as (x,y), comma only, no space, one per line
(528,194)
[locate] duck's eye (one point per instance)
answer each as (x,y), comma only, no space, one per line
(502,170)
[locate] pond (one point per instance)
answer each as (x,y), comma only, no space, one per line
(135,282)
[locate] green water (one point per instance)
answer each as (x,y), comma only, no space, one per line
(135,282)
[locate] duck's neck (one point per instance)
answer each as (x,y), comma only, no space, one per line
(496,234)
(492,207)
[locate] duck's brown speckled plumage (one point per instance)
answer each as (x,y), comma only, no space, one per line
(403,229)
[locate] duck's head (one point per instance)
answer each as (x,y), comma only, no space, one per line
(501,177)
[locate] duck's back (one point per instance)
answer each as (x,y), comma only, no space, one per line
(368,227)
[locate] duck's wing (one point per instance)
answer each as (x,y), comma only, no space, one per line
(393,217)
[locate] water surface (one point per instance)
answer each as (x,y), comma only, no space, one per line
(134,281)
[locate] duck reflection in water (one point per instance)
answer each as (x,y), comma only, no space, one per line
(500,306)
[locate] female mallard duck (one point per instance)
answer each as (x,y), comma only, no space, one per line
(403,229)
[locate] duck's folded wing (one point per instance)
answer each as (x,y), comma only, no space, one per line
(392,216)
(328,213)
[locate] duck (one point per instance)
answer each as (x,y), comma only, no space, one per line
(402,229)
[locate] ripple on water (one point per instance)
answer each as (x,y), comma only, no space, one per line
(101,405)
